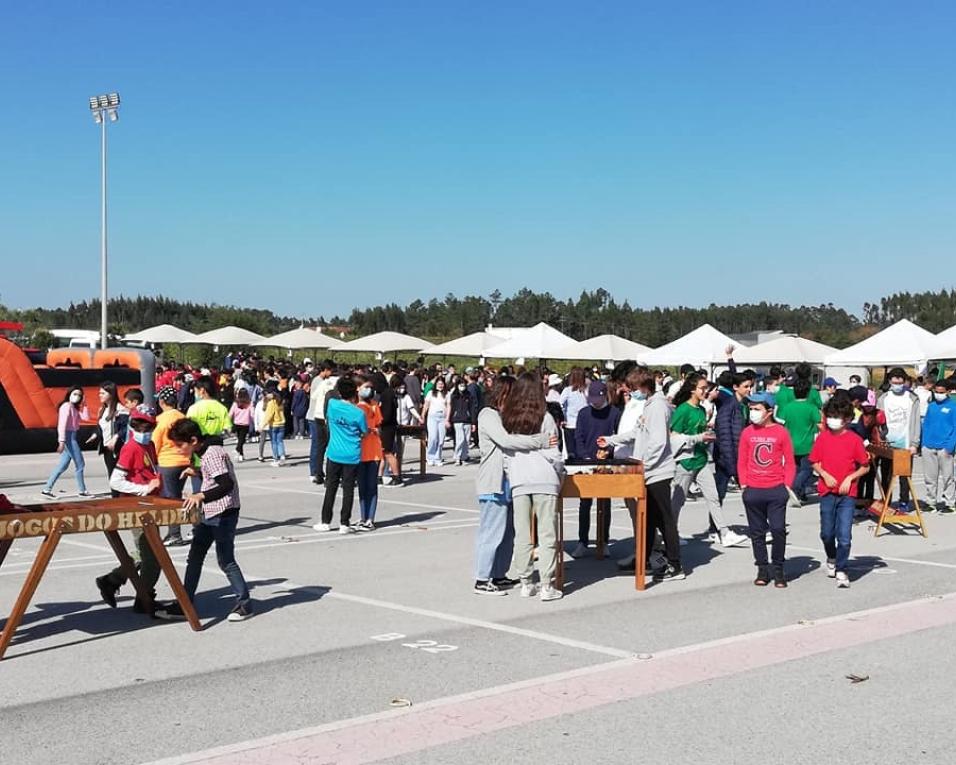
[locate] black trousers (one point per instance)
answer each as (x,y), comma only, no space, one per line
(337,473)
(886,479)
(109,459)
(660,517)
(321,444)
(767,511)
(242,432)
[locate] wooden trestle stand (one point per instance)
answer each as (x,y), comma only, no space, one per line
(626,483)
(902,468)
(108,516)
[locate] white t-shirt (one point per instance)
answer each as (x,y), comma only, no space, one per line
(897,410)
(924,396)
(629,417)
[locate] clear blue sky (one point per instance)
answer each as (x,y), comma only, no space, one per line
(310,157)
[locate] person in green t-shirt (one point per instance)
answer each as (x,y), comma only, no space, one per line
(689,422)
(801,418)
(784,394)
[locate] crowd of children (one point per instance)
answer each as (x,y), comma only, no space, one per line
(770,435)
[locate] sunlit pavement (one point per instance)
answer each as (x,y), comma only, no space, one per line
(372,647)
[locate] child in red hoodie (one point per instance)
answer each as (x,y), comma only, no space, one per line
(765,468)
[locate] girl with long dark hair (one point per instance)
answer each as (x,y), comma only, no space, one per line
(71,412)
(535,485)
(111,422)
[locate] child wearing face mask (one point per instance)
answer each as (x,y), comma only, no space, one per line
(136,473)
(371,455)
(840,459)
(463,418)
(765,468)
(939,443)
(70,414)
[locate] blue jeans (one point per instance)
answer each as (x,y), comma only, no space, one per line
(368,489)
(836,527)
(436,437)
(494,544)
(71,453)
(804,473)
(224,535)
(277,437)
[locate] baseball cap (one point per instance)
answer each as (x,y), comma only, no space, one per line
(767,399)
(597,393)
(858,393)
(554,380)
(142,413)
(829,382)
(168,394)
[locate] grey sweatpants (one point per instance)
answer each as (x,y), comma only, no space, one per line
(545,508)
(704,477)
(938,472)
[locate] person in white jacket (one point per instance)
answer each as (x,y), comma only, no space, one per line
(259,417)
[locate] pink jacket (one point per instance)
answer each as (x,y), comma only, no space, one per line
(69,420)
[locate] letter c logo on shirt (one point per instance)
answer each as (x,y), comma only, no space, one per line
(763,455)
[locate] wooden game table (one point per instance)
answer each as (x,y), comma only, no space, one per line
(108,516)
(627,482)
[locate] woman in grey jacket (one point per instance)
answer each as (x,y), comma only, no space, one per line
(652,447)
(535,485)
(495,540)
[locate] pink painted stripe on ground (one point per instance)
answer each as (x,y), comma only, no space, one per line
(388,734)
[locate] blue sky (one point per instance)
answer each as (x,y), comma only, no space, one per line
(310,157)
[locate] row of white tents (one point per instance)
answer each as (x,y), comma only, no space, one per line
(903,343)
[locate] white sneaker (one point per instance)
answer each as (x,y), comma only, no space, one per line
(322,527)
(343,530)
(842,579)
(275,463)
(580,551)
(733,539)
(239,457)
(550,593)
(831,568)
(528,590)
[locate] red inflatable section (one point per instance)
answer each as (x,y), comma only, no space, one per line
(29,397)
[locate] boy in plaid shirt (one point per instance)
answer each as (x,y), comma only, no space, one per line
(219,499)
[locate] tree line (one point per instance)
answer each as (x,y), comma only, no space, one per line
(593,313)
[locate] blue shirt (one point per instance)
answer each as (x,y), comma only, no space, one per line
(346,428)
(939,427)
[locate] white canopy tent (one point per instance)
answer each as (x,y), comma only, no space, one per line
(538,342)
(944,345)
(903,343)
(385,342)
(603,348)
(303,338)
(475,344)
(228,336)
(698,347)
(783,350)
(163,333)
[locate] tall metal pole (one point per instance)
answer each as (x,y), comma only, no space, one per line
(103,298)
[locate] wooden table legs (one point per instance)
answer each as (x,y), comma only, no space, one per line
(640,543)
(30,585)
(169,570)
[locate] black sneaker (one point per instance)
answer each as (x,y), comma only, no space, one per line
(107,590)
(241,612)
(319,480)
(669,574)
(174,541)
(946,510)
(487,588)
(170,612)
(779,578)
(932,509)
(763,576)
(139,607)
(504,583)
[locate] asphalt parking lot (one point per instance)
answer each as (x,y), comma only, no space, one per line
(372,647)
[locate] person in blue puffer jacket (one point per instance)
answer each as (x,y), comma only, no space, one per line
(732,418)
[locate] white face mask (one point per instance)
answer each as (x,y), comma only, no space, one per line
(940,397)
(76,397)
(834,423)
(756,416)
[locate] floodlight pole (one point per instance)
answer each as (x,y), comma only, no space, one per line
(103,271)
